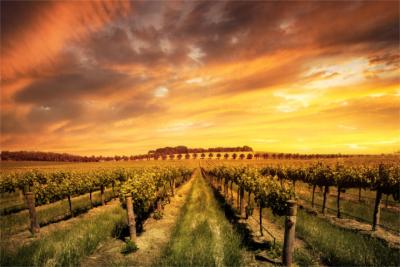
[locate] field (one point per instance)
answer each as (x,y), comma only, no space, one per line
(200,213)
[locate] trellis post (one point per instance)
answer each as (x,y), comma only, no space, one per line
(290,225)
(30,201)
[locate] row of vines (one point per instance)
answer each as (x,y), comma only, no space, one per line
(267,190)
(381,178)
(145,185)
(267,183)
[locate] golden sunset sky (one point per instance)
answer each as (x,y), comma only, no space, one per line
(108,78)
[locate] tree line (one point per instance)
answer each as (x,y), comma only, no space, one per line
(179,152)
(186,150)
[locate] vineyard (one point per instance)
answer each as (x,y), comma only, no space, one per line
(202,212)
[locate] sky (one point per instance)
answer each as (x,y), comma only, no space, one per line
(118,77)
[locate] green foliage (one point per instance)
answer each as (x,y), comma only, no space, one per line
(129,247)
(157,215)
(383,177)
(51,186)
(268,191)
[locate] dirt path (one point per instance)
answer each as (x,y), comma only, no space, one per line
(150,243)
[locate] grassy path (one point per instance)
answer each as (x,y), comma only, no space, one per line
(203,236)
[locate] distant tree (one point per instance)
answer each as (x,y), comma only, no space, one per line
(187,156)
(163,156)
(226,156)
(234,156)
(247,149)
(156,156)
(218,155)
(172,156)
(195,156)
(242,156)
(180,156)
(210,155)
(257,156)
(203,155)
(249,156)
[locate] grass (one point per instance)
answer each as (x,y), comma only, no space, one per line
(338,246)
(66,247)
(344,247)
(17,222)
(202,236)
(362,210)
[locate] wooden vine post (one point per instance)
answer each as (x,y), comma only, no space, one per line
(338,202)
(261,228)
(226,188)
(326,191)
(70,205)
(103,201)
(290,225)
(172,184)
(231,198)
(377,210)
(159,205)
(30,201)
(131,218)
(242,204)
(313,194)
(90,196)
(159,200)
(238,198)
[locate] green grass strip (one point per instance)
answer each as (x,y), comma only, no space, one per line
(339,246)
(202,236)
(66,247)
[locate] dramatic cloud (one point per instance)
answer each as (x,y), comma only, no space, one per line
(115,77)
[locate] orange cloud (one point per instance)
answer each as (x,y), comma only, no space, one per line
(106,78)
(31,42)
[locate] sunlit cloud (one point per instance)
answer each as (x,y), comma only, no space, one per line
(131,76)
(161,91)
(46,108)
(183,126)
(195,80)
(347,127)
(196,54)
(266,141)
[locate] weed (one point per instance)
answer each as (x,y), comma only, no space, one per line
(129,247)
